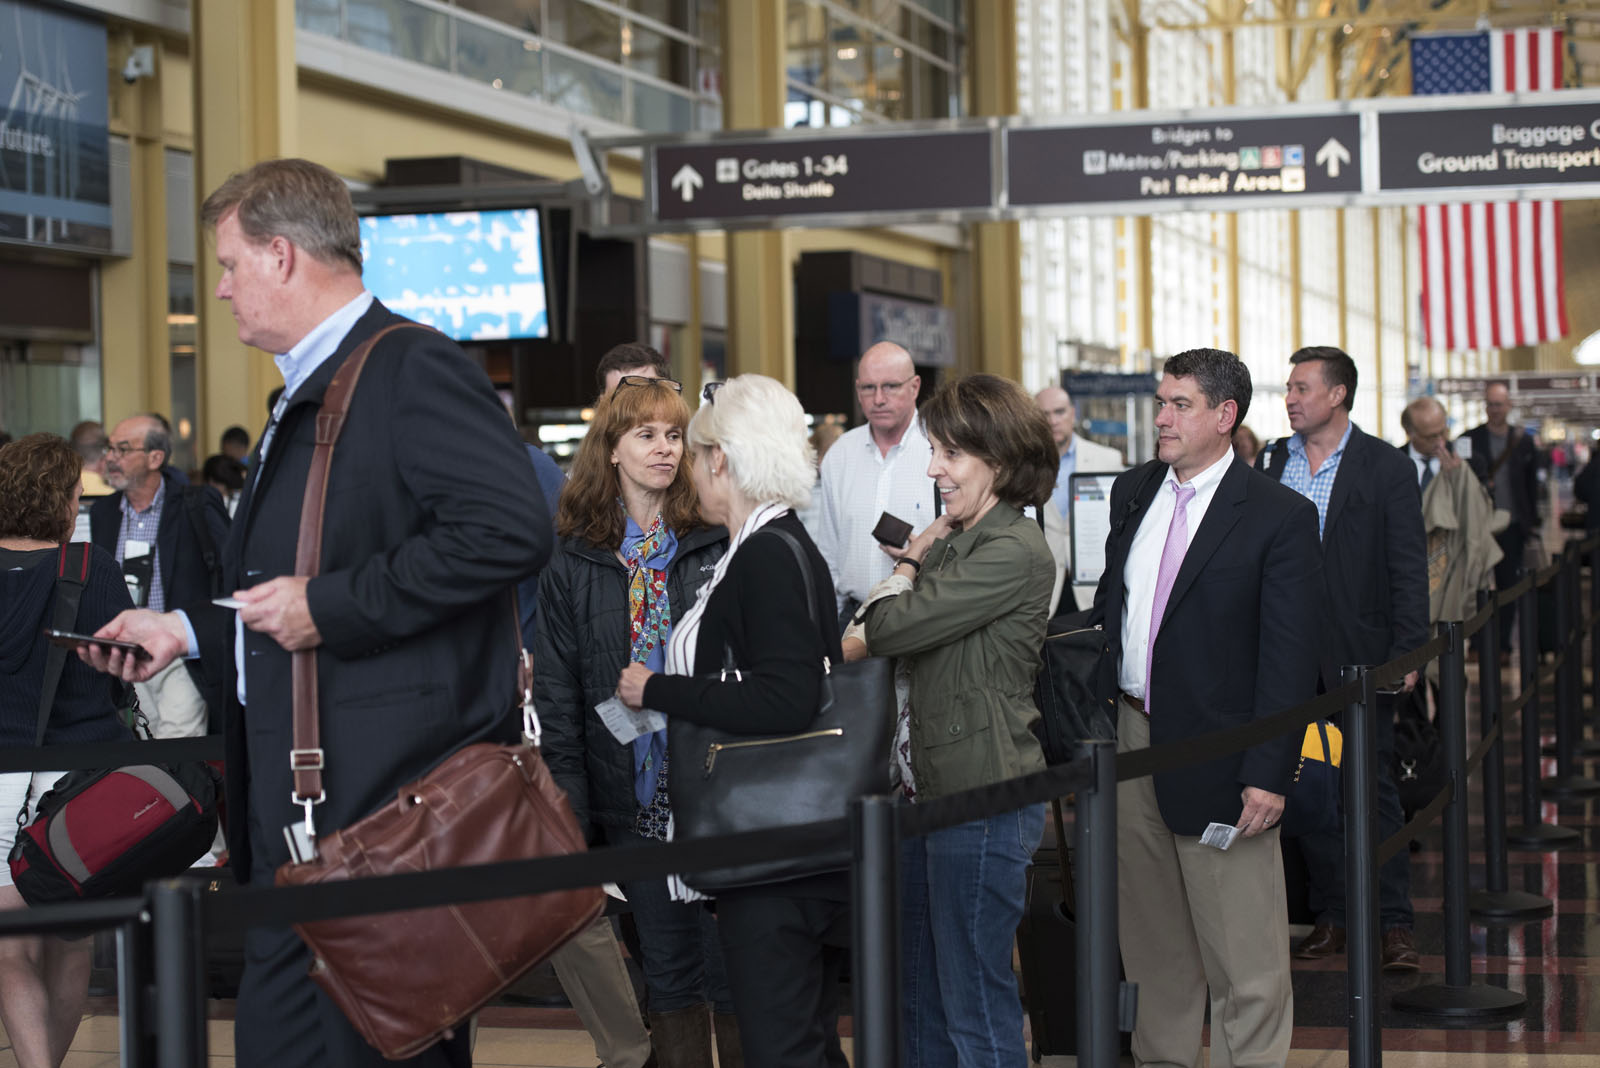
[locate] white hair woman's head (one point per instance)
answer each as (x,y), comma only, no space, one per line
(750,442)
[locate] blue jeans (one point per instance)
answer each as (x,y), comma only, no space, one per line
(1324,850)
(681,952)
(962,896)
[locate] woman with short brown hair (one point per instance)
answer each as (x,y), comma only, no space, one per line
(964,610)
(44,979)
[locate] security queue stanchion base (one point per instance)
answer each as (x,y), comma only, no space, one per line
(1462,1004)
(1507,906)
(1541,836)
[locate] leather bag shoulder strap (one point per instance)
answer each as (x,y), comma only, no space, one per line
(306,757)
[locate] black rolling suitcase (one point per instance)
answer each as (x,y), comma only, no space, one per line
(1047,944)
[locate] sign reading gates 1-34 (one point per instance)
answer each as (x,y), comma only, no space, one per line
(1211,159)
(944,171)
(1448,148)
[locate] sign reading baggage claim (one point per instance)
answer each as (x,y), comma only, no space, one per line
(929,172)
(1448,149)
(1272,159)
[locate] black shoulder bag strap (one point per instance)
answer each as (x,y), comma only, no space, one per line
(194,504)
(72,574)
(806,576)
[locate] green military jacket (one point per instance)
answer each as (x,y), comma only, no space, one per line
(971,629)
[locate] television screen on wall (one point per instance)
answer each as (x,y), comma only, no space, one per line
(475,275)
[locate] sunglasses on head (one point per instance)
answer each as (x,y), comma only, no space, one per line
(645,380)
(709,394)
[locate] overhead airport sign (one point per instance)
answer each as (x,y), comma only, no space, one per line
(1440,148)
(1345,154)
(1274,159)
(898,172)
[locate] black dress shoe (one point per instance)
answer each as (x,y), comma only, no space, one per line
(1324,941)
(1400,951)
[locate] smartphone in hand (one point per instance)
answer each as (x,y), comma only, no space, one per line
(71,640)
(892,531)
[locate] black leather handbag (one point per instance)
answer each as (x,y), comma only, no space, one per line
(726,783)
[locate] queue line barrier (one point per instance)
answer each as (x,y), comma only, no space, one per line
(162,935)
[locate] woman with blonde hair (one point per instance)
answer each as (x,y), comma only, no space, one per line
(784,942)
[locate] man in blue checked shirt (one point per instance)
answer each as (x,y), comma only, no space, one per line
(1375,574)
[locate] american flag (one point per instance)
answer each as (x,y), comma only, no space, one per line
(1491,273)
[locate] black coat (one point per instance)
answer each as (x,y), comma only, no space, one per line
(189,541)
(1374,556)
(758,612)
(580,648)
(1524,468)
(1238,641)
(432,515)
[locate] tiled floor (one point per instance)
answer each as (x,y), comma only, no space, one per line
(1554,961)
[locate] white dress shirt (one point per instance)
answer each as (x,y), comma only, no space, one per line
(860,483)
(1144,562)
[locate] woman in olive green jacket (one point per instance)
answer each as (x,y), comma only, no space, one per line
(964,611)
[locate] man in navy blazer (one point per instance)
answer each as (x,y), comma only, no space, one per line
(432,514)
(180,565)
(1233,558)
(1375,608)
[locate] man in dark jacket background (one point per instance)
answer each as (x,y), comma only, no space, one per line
(1506,461)
(168,537)
(1375,608)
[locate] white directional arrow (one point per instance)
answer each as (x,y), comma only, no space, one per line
(1330,155)
(687,180)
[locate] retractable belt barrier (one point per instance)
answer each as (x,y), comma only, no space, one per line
(877,825)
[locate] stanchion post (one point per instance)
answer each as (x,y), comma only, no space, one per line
(135,986)
(1361,872)
(179,951)
(1533,831)
(875,930)
(1456,998)
(1496,901)
(1095,835)
(1594,635)
(1567,784)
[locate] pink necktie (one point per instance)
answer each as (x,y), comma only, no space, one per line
(1171,559)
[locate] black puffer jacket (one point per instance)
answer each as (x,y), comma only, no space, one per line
(580,648)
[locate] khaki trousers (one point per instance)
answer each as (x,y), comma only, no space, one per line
(1193,917)
(595,980)
(171,703)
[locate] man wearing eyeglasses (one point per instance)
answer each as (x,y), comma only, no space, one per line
(167,537)
(880,467)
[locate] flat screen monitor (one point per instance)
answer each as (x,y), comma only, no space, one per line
(475,275)
(1090,515)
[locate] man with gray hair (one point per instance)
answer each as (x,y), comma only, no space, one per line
(1078,454)
(877,469)
(167,535)
(432,515)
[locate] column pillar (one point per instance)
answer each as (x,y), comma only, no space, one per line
(137,366)
(245,88)
(997,246)
(760,283)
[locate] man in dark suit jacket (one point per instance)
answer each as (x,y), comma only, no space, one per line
(1233,641)
(1375,608)
(181,564)
(1506,461)
(432,515)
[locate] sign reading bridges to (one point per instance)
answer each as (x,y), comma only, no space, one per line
(814,176)
(1182,160)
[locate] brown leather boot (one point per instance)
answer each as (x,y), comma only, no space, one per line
(730,1047)
(682,1038)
